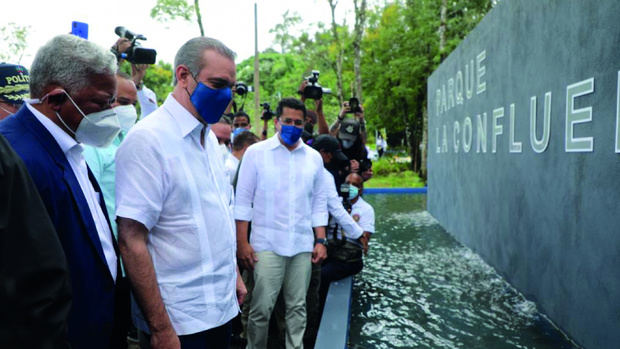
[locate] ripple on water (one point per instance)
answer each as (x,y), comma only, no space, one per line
(421,289)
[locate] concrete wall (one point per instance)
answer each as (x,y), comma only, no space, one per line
(538,201)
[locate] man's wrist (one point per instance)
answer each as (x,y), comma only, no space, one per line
(322,241)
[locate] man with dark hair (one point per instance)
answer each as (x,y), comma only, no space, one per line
(279,190)
(14,81)
(175,222)
(241,120)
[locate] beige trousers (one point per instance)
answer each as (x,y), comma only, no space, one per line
(272,273)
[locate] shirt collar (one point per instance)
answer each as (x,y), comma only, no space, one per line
(64,140)
(186,122)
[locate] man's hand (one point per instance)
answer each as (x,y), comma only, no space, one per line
(355,166)
(319,254)
(137,73)
(165,339)
(344,110)
(318,104)
(360,115)
(242,291)
(364,240)
(122,44)
(301,89)
(246,256)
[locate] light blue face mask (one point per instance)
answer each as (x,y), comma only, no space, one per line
(353,192)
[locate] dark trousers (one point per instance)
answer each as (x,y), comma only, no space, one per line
(215,338)
(334,270)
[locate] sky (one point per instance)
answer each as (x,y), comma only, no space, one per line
(231,21)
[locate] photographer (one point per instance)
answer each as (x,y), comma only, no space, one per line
(146,97)
(345,246)
(352,106)
(350,137)
(266,115)
(319,118)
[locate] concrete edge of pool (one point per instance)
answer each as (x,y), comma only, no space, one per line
(334,327)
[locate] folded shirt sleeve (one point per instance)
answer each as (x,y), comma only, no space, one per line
(140,178)
(246,186)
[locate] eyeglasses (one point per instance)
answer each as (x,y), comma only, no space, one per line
(289,121)
(240,125)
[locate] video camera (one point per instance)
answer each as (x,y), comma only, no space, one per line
(313,90)
(267,113)
(354,105)
(135,53)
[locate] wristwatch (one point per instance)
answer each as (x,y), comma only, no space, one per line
(321,241)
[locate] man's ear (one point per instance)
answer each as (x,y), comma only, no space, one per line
(182,74)
(55,98)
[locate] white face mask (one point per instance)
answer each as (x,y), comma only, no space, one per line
(96,129)
(347,144)
(127,116)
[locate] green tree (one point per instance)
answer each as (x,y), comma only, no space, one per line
(14,42)
(283,30)
(166,10)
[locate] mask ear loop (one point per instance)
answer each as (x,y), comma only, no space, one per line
(6,110)
(60,117)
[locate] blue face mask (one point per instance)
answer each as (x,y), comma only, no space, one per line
(210,103)
(290,134)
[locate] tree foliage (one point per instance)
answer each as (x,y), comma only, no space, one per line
(14,42)
(167,10)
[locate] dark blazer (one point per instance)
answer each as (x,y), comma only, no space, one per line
(91,322)
(35,294)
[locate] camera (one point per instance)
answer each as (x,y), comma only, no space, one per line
(313,90)
(354,105)
(241,88)
(344,192)
(267,113)
(135,53)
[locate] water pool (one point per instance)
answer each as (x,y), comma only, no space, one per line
(420,288)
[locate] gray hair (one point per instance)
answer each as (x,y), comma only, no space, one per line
(69,61)
(190,54)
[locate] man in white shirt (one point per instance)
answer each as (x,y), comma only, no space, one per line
(175,222)
(279,190)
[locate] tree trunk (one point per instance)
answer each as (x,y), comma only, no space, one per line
(199,17)
(360,22)
(332,5)
(442,30)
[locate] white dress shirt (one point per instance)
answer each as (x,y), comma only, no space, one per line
(280,192)
(231,163)
(167,181)
(148,101)
(73,152)
(336,210)
(363,214)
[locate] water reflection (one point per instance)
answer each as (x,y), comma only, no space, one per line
(421,289)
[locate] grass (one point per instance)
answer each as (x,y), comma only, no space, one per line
(404,179)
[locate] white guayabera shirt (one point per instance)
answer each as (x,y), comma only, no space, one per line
(280,192)
(167,181)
